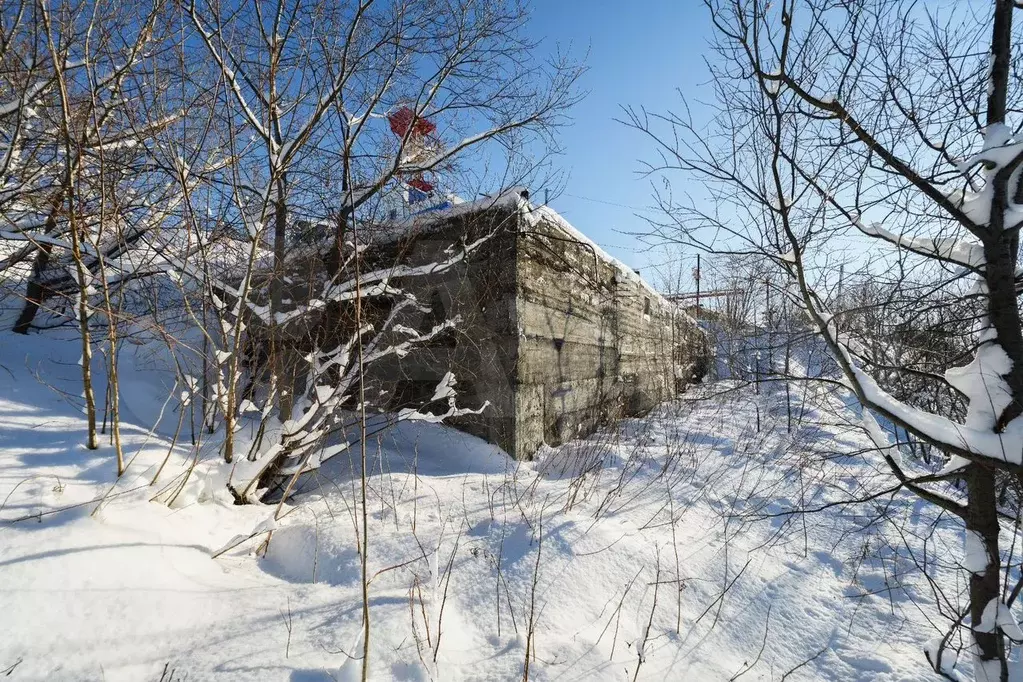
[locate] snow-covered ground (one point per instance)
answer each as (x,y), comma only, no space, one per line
(657,551)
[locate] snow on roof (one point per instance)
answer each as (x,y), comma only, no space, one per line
(512,199)
(536,214)
(517,198)
(456,207)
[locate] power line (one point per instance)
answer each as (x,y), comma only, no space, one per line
(612,203)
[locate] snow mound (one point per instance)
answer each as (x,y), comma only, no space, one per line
(575,459)
(300,553)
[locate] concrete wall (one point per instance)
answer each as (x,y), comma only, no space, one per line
(482,350)
(595,344)
(555,336)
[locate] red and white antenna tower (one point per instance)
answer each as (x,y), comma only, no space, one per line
(420,144)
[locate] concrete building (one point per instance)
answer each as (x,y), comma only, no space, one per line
(554,336)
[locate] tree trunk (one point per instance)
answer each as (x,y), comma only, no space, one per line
(982,519)
(1003,314)
(35,291)
(83,327)
(281,362)
(1000,251)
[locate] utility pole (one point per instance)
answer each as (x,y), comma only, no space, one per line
(696,276)
(841,280)
(838,299)
(770,336)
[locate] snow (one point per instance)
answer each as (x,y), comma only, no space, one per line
(996,616)
(966,253)
(513,199)
(29,96)
(997,135)
(943,658)
(975,556)
(969,439)
(128,588)
(1007,623)
(446,388)
(510,198)
(981,382)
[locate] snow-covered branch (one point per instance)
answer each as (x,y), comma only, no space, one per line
(969,254)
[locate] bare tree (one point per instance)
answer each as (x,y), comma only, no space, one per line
(865,116)
(93,53)
(68,148)
(239,150)
(299,135)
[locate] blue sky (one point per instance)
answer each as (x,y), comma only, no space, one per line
(636,56)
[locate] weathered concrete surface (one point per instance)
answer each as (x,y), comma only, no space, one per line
(552,333)
(482,349)
(596,343)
